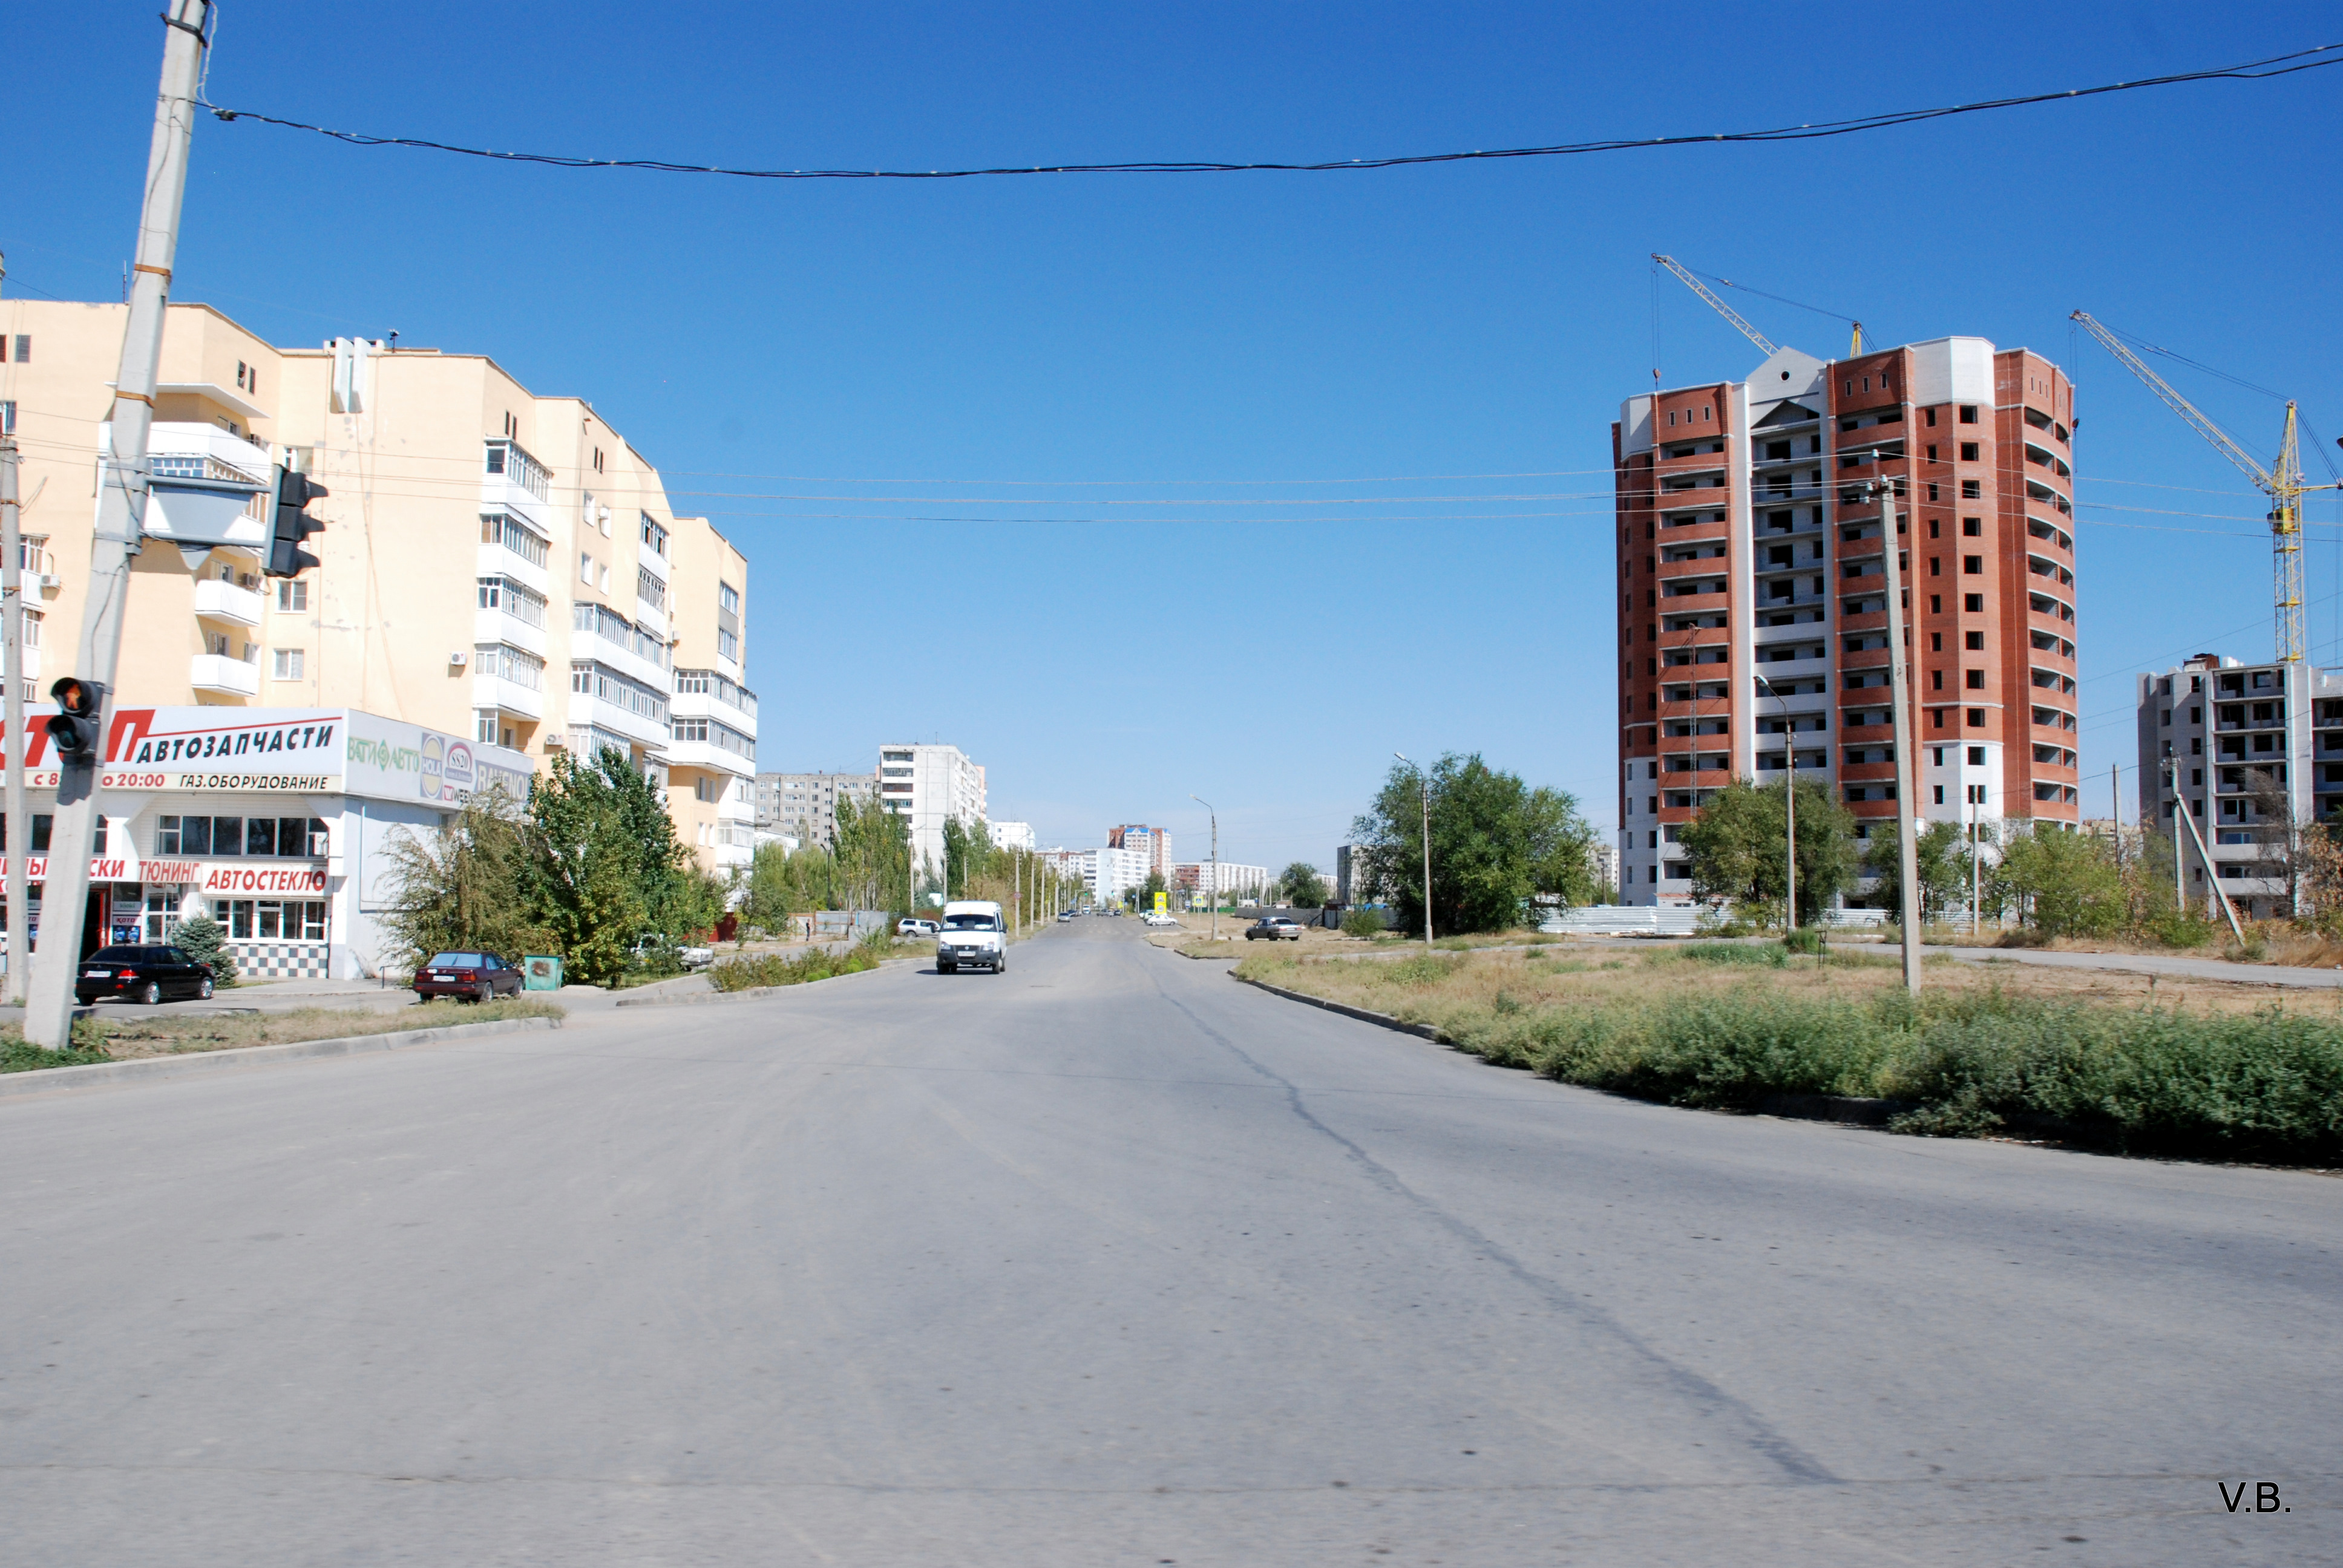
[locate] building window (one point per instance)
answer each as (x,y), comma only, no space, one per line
(1974,603)
(1976,679)
(654,535)
(8,417)
(1968,451)
(287,666)
(1976,718)
(650,588)
(25,348)
(1968,413)
(1973,566)
(292,595)
(728,645)
(484,725)
(1972,490)
(1976,641)
(1973,528)
(513,598)
(1976,756)
(728,599)
(507,457)
(506,662)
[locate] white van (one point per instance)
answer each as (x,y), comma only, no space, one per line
(973,935)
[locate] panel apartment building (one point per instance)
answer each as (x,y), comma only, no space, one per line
(804,806)
(930,784)
(1751,591)
(2257,750)
(580,612)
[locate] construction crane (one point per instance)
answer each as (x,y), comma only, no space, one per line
(1692,282)
(2283,484)
(1726,311)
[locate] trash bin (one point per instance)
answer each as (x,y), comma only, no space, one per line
(540,971)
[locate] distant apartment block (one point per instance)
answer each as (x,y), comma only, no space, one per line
(930,784)
(1107,872)
(1013,835)
(2257,750)
(1752,578)
(1155,843)
(804,806)
(1234,880)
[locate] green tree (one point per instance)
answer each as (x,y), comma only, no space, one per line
(202,939)
(1304,889)
(1739,847)
(871,857)
(2065,883)
(603,866)
(1941,855)
(458,886)
(1495,843)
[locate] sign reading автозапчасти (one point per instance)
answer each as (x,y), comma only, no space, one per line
(284,751)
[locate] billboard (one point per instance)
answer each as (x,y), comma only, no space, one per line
(282,750)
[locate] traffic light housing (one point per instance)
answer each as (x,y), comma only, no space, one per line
(293,524)
(80,707)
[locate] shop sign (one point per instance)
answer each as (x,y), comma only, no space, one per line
(248,878)
(117,868)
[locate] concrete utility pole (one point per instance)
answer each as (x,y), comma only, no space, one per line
(18,838)
(121,514)
(1789,795)
(1215,816)
(1899,685)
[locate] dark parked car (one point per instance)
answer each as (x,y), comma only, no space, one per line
(1276,928)
(467,977)
(144,974)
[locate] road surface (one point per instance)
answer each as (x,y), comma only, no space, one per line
(1109,1260)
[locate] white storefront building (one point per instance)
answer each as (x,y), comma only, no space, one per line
(275,822)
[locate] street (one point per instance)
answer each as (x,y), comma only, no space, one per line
(1110,1260)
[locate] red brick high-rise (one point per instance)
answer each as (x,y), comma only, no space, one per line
(1746,549)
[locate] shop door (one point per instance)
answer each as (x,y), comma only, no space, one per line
(96,918)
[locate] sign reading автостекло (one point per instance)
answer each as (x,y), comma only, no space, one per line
(283,751)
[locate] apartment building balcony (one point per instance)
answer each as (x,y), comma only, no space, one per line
(709,757)
(223,600)
(501,560)
(711,694)
(1678,484)
(223,674)
(489,626)
(621,657)
(2042,604)
(1697,762)
(616,718)
(2037,491)
(506,696)
(208,444)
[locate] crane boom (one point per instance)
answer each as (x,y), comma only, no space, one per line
(2285,488)
(1714,304)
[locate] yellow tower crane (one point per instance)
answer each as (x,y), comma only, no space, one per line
(1733,315)
(2283,484)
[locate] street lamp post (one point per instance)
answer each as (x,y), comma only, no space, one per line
(1215,816)
(1789,797)
(1423,788)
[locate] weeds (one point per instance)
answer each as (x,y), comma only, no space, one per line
(118,1037)
(773,969)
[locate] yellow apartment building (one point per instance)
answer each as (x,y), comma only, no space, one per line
(496,565)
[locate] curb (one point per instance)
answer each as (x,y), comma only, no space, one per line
(1421,1031)
(41,1080)
(699,998)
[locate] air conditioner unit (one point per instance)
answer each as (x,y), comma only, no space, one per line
(49,579)
(460,655)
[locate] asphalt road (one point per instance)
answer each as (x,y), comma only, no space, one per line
(1109,1260)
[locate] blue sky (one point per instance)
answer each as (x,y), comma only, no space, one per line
(1055,345)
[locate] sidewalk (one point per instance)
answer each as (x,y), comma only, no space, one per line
(2146,964)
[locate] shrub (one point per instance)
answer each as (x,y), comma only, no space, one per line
(1362,922)
(773,969)
(203,940)
(1766,957)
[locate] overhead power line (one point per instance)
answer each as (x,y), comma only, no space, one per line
(2251,70)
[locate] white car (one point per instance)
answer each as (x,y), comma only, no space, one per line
(915,927)
(1158,918)
(972,937)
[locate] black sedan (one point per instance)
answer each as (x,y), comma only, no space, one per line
(144,974)
(467,977)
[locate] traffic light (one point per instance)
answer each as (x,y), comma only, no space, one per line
(75,726)
(294,491)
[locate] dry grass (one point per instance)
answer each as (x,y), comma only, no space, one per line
(1437,987)
(116,1037)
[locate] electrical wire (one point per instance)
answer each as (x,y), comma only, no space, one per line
(2251,70)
